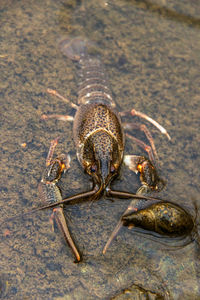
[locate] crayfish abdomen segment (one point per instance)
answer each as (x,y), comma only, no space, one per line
(93,85)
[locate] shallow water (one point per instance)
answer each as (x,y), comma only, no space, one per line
(151,54)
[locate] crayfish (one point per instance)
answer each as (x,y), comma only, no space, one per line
(99,137)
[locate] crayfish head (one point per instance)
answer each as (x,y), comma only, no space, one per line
(106,159)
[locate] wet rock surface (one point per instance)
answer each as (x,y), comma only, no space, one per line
(151,54)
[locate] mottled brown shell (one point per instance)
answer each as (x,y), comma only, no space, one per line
(164,218)
(91,119)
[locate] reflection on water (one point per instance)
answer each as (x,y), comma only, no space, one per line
(151,54)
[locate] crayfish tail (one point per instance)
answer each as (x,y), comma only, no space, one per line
(75,48)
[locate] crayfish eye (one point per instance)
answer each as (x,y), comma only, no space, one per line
(93,169)
(112,169)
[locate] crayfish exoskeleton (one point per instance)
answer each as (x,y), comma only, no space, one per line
(100,140)
(50,193)
(164,218)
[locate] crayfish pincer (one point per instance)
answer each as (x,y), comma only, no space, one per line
(164,218)
(160,219)
(50,193)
